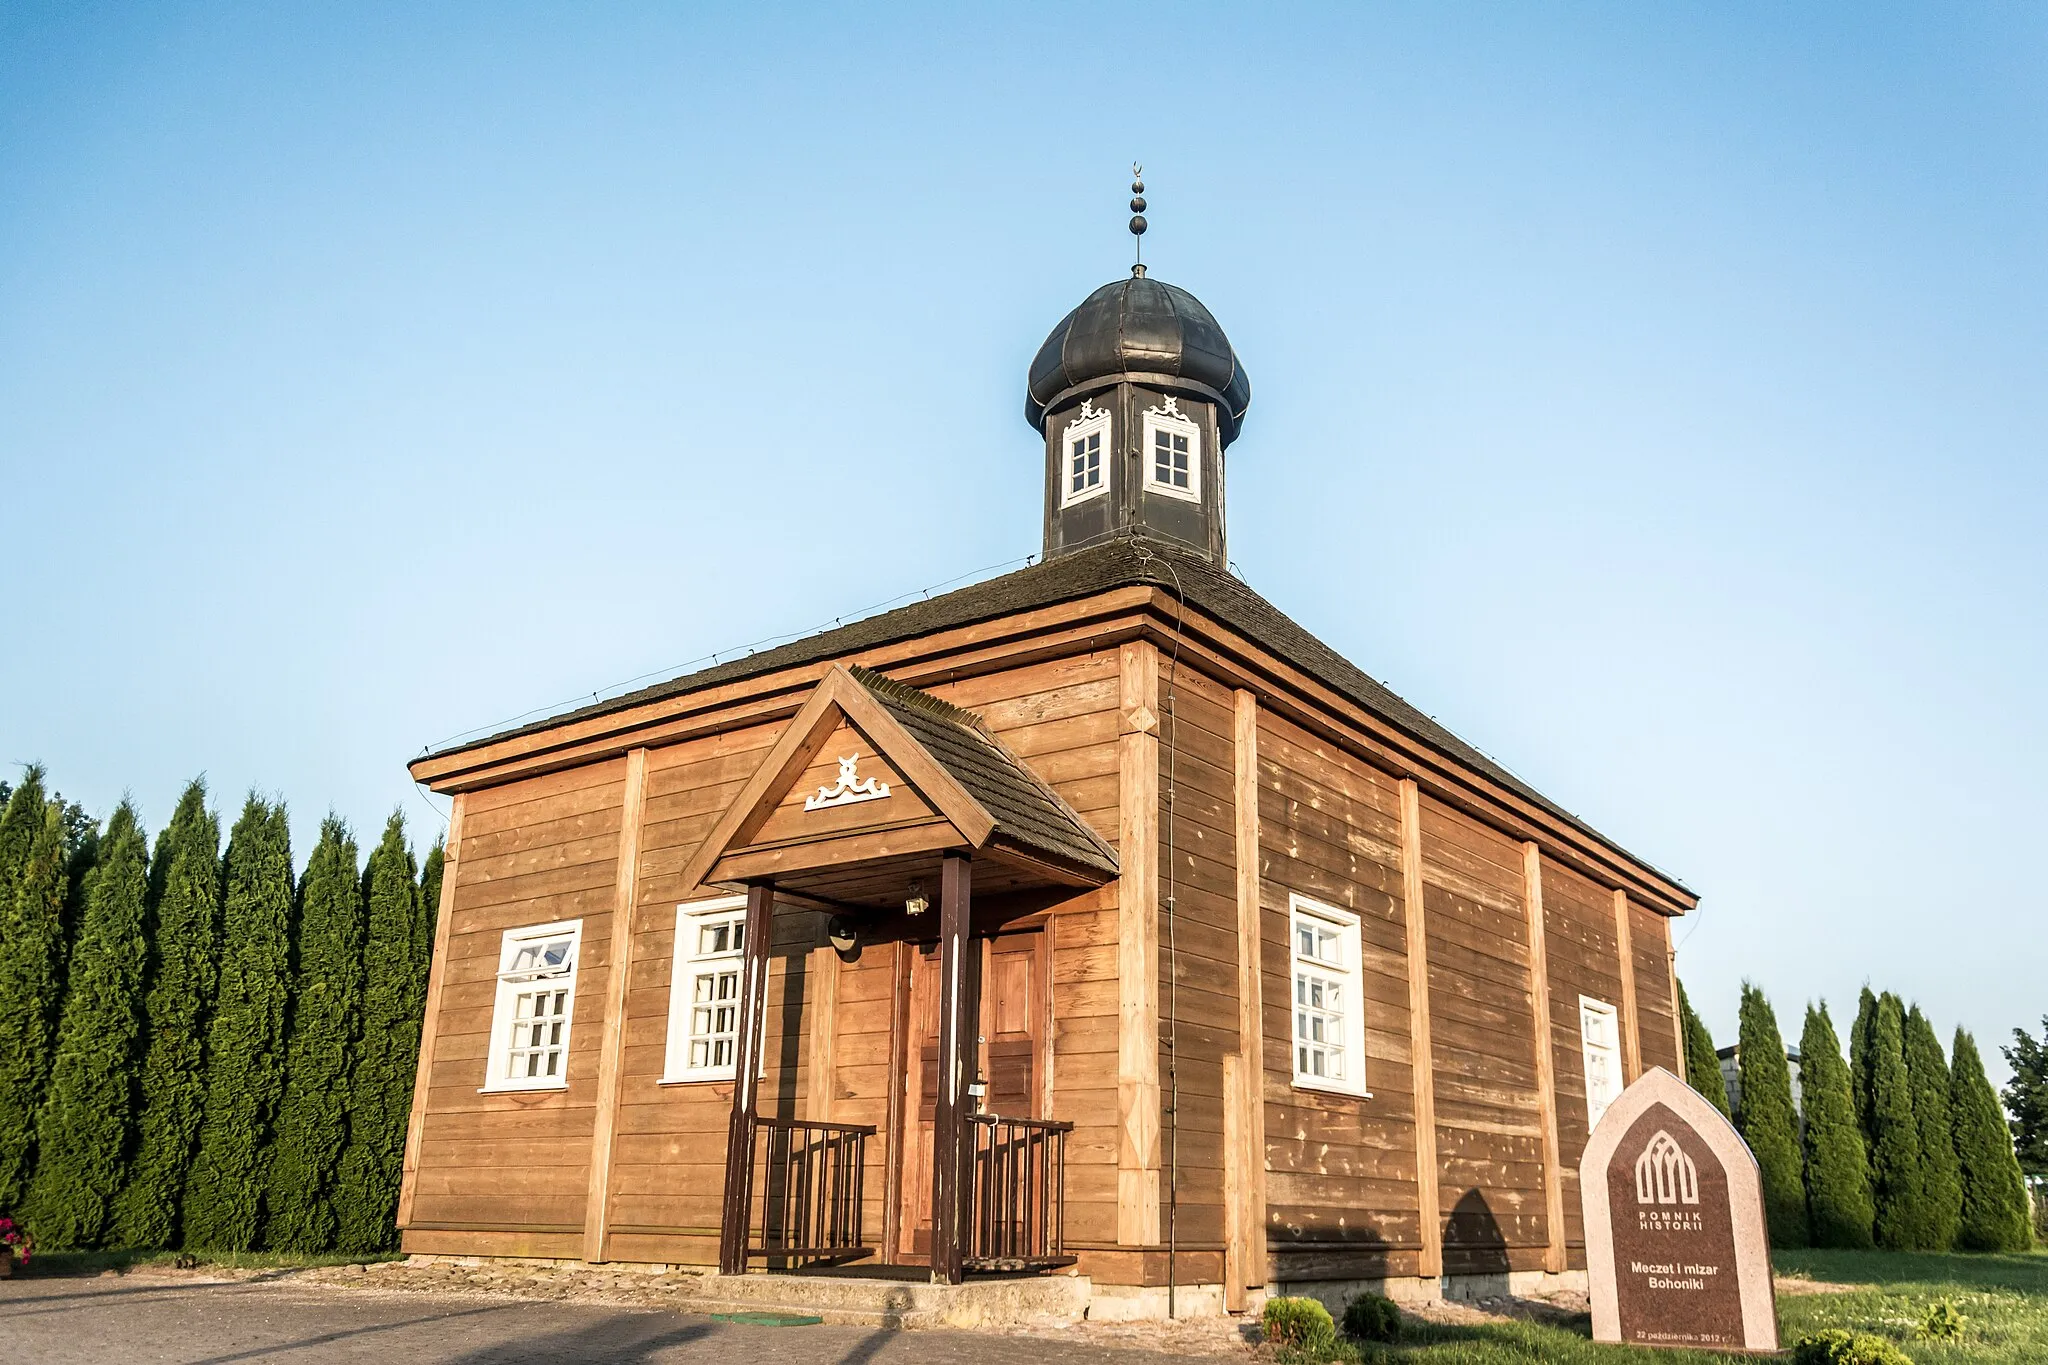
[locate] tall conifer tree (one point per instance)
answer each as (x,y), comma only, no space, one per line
(381,1091)
(1768,1122)
(31,974)
(245,1072)
(1702,1067)
(1896,1167)
(1941,1179)
(430,900)
(82,1133)
(326,1024)
(1838,1203)
(185,892)
(1862,1072)
(1996,1212)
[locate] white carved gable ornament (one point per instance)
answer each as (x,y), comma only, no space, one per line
(852,788)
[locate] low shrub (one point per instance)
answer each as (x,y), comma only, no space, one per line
(1838,1347)
(1302,1324)
(1943,1321)
(1372,1317)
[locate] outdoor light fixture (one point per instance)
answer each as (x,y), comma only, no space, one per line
(844,937)
(916,904)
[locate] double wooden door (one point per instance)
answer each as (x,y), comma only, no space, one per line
(1012,1063)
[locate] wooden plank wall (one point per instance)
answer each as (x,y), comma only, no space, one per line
(1482,1020)
(1656,1008)
(507,1173)
(1198,951)
(1341,1189)
(1578,919)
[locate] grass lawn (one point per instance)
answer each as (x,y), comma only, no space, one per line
(2005,1299)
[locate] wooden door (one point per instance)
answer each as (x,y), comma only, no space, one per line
(1011,1061)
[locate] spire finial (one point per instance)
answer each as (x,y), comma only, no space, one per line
(1138,218)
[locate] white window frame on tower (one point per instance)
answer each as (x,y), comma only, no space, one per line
(1168,420)
(1600,1051)
(534,1008)
(1326,1002)
(1089,427)
(701,967)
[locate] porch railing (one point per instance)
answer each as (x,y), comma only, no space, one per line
(808,1179)
(1020,1194)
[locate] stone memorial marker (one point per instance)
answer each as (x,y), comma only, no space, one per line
(1676,1249)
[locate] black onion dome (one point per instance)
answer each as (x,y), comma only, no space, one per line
(1138,327)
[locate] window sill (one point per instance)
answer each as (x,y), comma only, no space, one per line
(726,1079)
(1167,490)
(1077,499)
(521,1089)
(1331,1088)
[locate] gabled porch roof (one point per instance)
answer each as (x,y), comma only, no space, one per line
(936,780)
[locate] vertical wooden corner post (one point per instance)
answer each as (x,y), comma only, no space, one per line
(1421,1054)
(1546,1059)
(952,1126)
(749,1049)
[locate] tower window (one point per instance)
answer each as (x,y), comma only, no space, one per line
(1085,443)
(1173,452)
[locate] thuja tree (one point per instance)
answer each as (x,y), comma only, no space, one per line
(31,967)
(1995,1209)
(1702,1067)
(83,1129)
(1941,1178)
(1861,1070)
(223,1199)
(185,891)
(430,900)
(1768,1122)
(326,1022)
(1896,1167)
(394,988)
(1838,1203)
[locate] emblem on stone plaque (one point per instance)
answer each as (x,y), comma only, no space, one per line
(1677,1253)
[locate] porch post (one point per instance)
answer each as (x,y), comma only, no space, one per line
(747,1048)
(959,1034)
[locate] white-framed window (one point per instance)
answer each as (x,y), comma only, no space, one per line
(535,1003)
(704,990)
(1084,469)
(1329,1017)
(1600,1041)
(1173,452)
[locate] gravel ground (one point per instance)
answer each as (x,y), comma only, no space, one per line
(526,1315)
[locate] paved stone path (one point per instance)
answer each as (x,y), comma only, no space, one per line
(196,1320)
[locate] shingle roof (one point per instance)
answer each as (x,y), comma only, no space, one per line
(1085,573)
(1029,814)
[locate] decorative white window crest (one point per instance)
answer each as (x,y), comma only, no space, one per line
(852,788)
(1665,1174)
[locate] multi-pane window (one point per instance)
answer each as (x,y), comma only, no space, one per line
(1173,453)
(535,1003)
(704,990)
(1329,1025)
(1600,1041)
(1170,458)
(1083,475)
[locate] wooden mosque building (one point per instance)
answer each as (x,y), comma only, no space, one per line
(1093,919)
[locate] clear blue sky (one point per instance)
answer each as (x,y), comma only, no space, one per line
(1654,393)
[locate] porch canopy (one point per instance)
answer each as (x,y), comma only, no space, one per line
(877,797)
